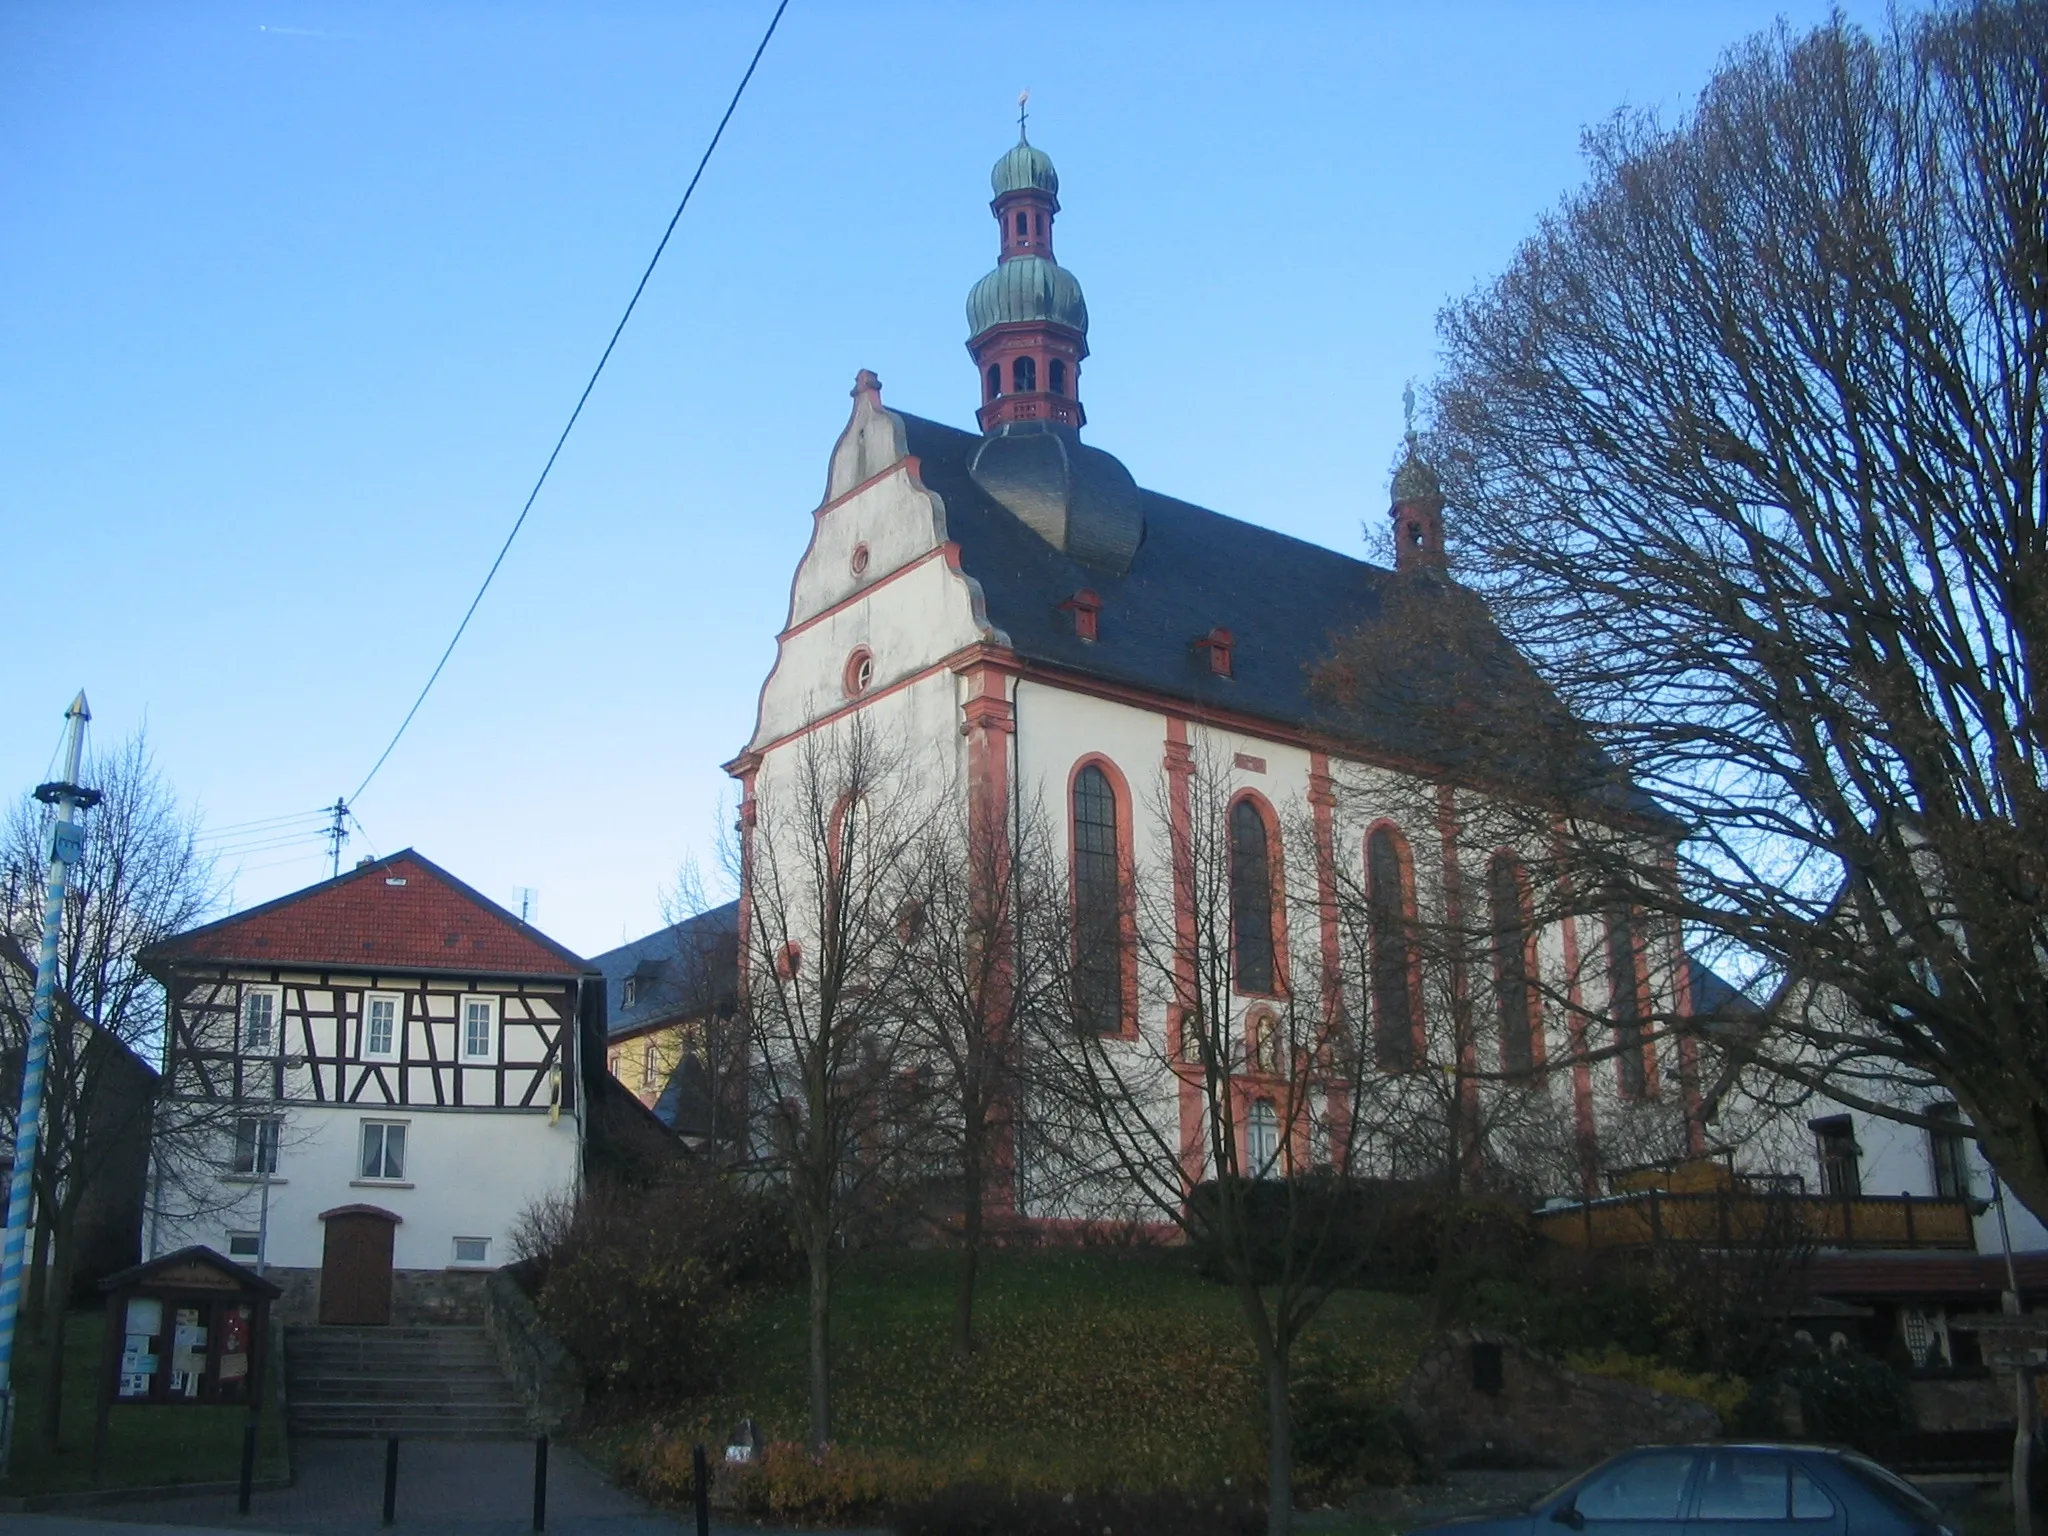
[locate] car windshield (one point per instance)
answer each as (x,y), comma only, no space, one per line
(1889,1482)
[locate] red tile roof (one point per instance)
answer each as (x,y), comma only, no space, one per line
(396,913)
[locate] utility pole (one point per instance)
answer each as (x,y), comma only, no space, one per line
(337,834)
(67,842)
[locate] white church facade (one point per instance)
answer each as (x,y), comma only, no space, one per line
(1037,633)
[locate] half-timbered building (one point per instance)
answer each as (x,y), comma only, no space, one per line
(400,1065)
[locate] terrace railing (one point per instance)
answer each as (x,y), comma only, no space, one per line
(1736,1218)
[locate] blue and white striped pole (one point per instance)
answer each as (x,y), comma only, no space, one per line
(67,840)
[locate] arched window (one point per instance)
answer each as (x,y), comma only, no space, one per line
(1513,992)
(1024,375)
(1625,998)
(995,380)
(1056,375)
(1392,952)
(1098,903)
(1251,898)
(1261,1139)
(1023,222)
(1038,222)
(648,1065)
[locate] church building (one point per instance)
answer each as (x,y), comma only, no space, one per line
(1033,627)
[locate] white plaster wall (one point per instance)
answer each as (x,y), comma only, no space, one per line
(895,517)
(1898,1159)
(469,1173)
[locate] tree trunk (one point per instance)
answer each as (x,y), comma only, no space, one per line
(970,1257)
(53,1338)
(819,1246)
(38,1273)
(1273,1357)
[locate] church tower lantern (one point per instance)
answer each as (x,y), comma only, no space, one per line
(1418,509)
(1027,322)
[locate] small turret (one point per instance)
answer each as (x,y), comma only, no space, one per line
(1418,505)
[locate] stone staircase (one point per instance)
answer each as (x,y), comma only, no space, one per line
(443,1383)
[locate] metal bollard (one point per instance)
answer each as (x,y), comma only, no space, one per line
(248,1466)
(540,1482)
(700,1477)
(391,1480)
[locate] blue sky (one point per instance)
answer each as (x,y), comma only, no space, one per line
(298,295)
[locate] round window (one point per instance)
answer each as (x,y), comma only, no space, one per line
(860,559)
(860,672)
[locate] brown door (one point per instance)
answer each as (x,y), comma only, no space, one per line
(355,1266)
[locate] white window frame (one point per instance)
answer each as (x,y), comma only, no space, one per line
(489,1054)
(457,1261)
(397,1002)
(399,1179)
(268,1138)
(253,1239)
(276,997)
(629,994)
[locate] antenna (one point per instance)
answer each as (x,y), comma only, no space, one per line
(529,902)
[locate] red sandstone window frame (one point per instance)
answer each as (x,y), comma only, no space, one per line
(1411,956)
(1276,879)
(1532,1000)
(1126,893)
(859,676)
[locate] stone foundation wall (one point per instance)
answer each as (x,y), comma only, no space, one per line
(1479,1399)
(538,1366)
(419,1297)
(1963,1402)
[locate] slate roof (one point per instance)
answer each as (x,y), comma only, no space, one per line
(402,912)
(685,970)
(1287,603)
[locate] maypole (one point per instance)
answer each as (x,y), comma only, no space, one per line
(67,841)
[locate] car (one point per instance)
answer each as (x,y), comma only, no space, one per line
(1720,1490)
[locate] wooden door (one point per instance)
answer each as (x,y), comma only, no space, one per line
(355,1266)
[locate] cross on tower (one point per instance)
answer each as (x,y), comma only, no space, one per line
(1023,96)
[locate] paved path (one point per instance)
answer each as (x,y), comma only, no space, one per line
(457,1487)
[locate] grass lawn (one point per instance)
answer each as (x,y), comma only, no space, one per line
(1095,1370)
(146,1446)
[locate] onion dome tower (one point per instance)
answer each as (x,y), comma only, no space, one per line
(1418,505)
(1027,333)
(1027,322)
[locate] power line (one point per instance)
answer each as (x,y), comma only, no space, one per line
(617,330)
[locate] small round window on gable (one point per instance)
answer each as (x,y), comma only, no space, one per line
(860,559)
(860,672)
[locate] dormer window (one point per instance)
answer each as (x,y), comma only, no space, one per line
(629,993)
(1217,644)
(1084,605)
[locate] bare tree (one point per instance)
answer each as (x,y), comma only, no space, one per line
(1253,1120)
(984,927)
(1745,451)
(141,878)
(827,847)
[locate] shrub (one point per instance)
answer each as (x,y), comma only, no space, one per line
(1848,1397)
(643,1287)
(1344,1439)
(1724,1394)
(973,1510)
(786,1484)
